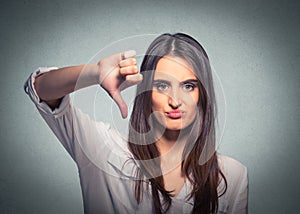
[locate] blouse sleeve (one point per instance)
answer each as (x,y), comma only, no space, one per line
(240,197)
(236,195)
(86,140)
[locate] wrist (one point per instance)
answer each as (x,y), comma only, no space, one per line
(93,71)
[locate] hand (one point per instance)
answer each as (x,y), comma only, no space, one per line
(118,72)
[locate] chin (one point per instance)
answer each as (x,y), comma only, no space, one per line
(175,127)
(172,125)
(180,126)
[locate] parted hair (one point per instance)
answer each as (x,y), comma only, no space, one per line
(199,159)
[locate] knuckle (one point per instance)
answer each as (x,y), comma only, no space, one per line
(135,69)
(121,63)
(133,60)
(122,71)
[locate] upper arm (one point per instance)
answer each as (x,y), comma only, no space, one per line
(51,103)
(85,139)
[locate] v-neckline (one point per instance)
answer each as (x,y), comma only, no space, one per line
(183,191)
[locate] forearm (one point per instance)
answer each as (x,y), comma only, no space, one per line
(113,73)
(52,86)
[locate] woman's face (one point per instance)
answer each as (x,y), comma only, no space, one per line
(175,93)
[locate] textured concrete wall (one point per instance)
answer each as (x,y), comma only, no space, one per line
(253,47)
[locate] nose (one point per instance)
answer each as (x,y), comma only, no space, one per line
(175,98)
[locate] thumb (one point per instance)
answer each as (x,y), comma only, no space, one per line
(121,104)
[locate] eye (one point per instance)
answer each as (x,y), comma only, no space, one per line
(161,86)
(188,86)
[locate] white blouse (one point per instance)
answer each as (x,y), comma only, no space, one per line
(106,168)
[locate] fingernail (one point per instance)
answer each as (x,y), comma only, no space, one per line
(130,53)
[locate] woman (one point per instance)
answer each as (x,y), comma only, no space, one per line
(170,163)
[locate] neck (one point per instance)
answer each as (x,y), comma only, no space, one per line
(171,145)
(167,141)
(171,139)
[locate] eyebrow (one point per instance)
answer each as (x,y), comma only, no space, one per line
(161,81)
(168,82)
(190,81)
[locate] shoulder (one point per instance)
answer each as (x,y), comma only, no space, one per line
(233,170)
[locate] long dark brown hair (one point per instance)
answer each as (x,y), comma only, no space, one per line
(199,159)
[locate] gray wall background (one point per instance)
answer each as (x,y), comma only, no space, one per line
(253,46)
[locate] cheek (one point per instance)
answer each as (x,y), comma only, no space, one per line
(158,101)
(191,104)
(195,96)
(191,99)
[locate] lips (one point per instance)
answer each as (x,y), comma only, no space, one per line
(174,114)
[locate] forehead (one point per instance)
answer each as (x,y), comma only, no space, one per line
(170,67)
